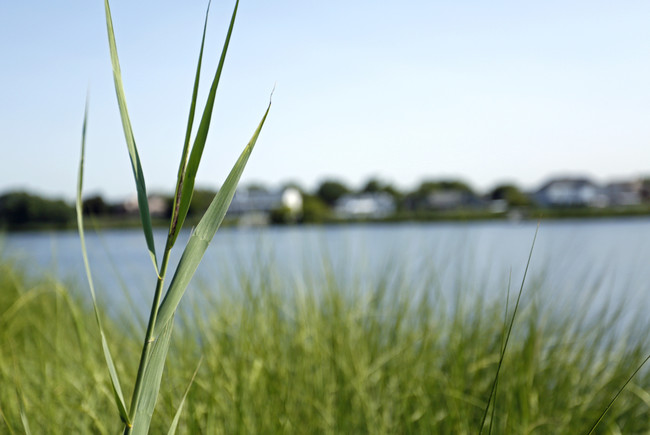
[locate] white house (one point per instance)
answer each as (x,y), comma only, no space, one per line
(262,202)
(372,205)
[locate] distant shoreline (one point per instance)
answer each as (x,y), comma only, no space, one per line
(524,215)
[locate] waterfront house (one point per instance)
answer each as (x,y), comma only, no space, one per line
(571,192)
(366,205)
(262,203)
(624,193)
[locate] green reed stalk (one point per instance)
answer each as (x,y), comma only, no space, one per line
(160,324)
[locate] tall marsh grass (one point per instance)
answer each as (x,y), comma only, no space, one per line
(280,358)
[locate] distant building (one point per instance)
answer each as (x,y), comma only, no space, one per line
(368,205)
(571,192)
(262,203)
(158,205)
(624,193)
(449,199)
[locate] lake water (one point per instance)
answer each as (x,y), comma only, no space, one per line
(607,261)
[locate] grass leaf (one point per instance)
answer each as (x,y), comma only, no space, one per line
(177,416)
(187,182)
(23,414)
(151,381)
(115,382)
(618,393)
(507,338)
(175,225)
(141,188)
(203,234)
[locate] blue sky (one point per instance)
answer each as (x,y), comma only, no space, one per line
(483,91)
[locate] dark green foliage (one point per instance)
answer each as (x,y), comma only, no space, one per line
(511,195)
(429,186)
(330,191)
(282,216)
(96,206)
(314,210)
(201,200)
(375,185)
(20,209)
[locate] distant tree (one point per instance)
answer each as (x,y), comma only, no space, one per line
(330,191)
(511,194)
(373,186)
(314,210)
(257,187)
(282,216)
(20,208)
(428,187)
(201,200)
(95,205)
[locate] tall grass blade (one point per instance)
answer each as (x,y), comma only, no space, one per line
(141,188)
(609,405)
(115,382)
(177,416)
(505,325)
(175,227)
(23,414)
(203,234)
(189,177)
(151,382)
(505,344)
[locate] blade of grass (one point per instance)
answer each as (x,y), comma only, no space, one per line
(151,382)
(115,382)
(173,233)
(187,183)
(23,414)
(203,234)
(609,405)
(177,416)
(141,188)
(505,344)
(505,324)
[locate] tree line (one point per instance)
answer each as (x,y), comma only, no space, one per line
(20,209)
(23,210)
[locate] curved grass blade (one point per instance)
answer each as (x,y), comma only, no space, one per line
(173,232)
(507,338)
(141,188)
(602,415)
(189,177)
(115,382)
(203,234)
(151,382)
(177,416)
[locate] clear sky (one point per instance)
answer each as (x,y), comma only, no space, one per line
(484,91)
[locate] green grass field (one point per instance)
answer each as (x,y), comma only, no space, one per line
(319,358)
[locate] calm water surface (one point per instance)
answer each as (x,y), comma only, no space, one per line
(607,261)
